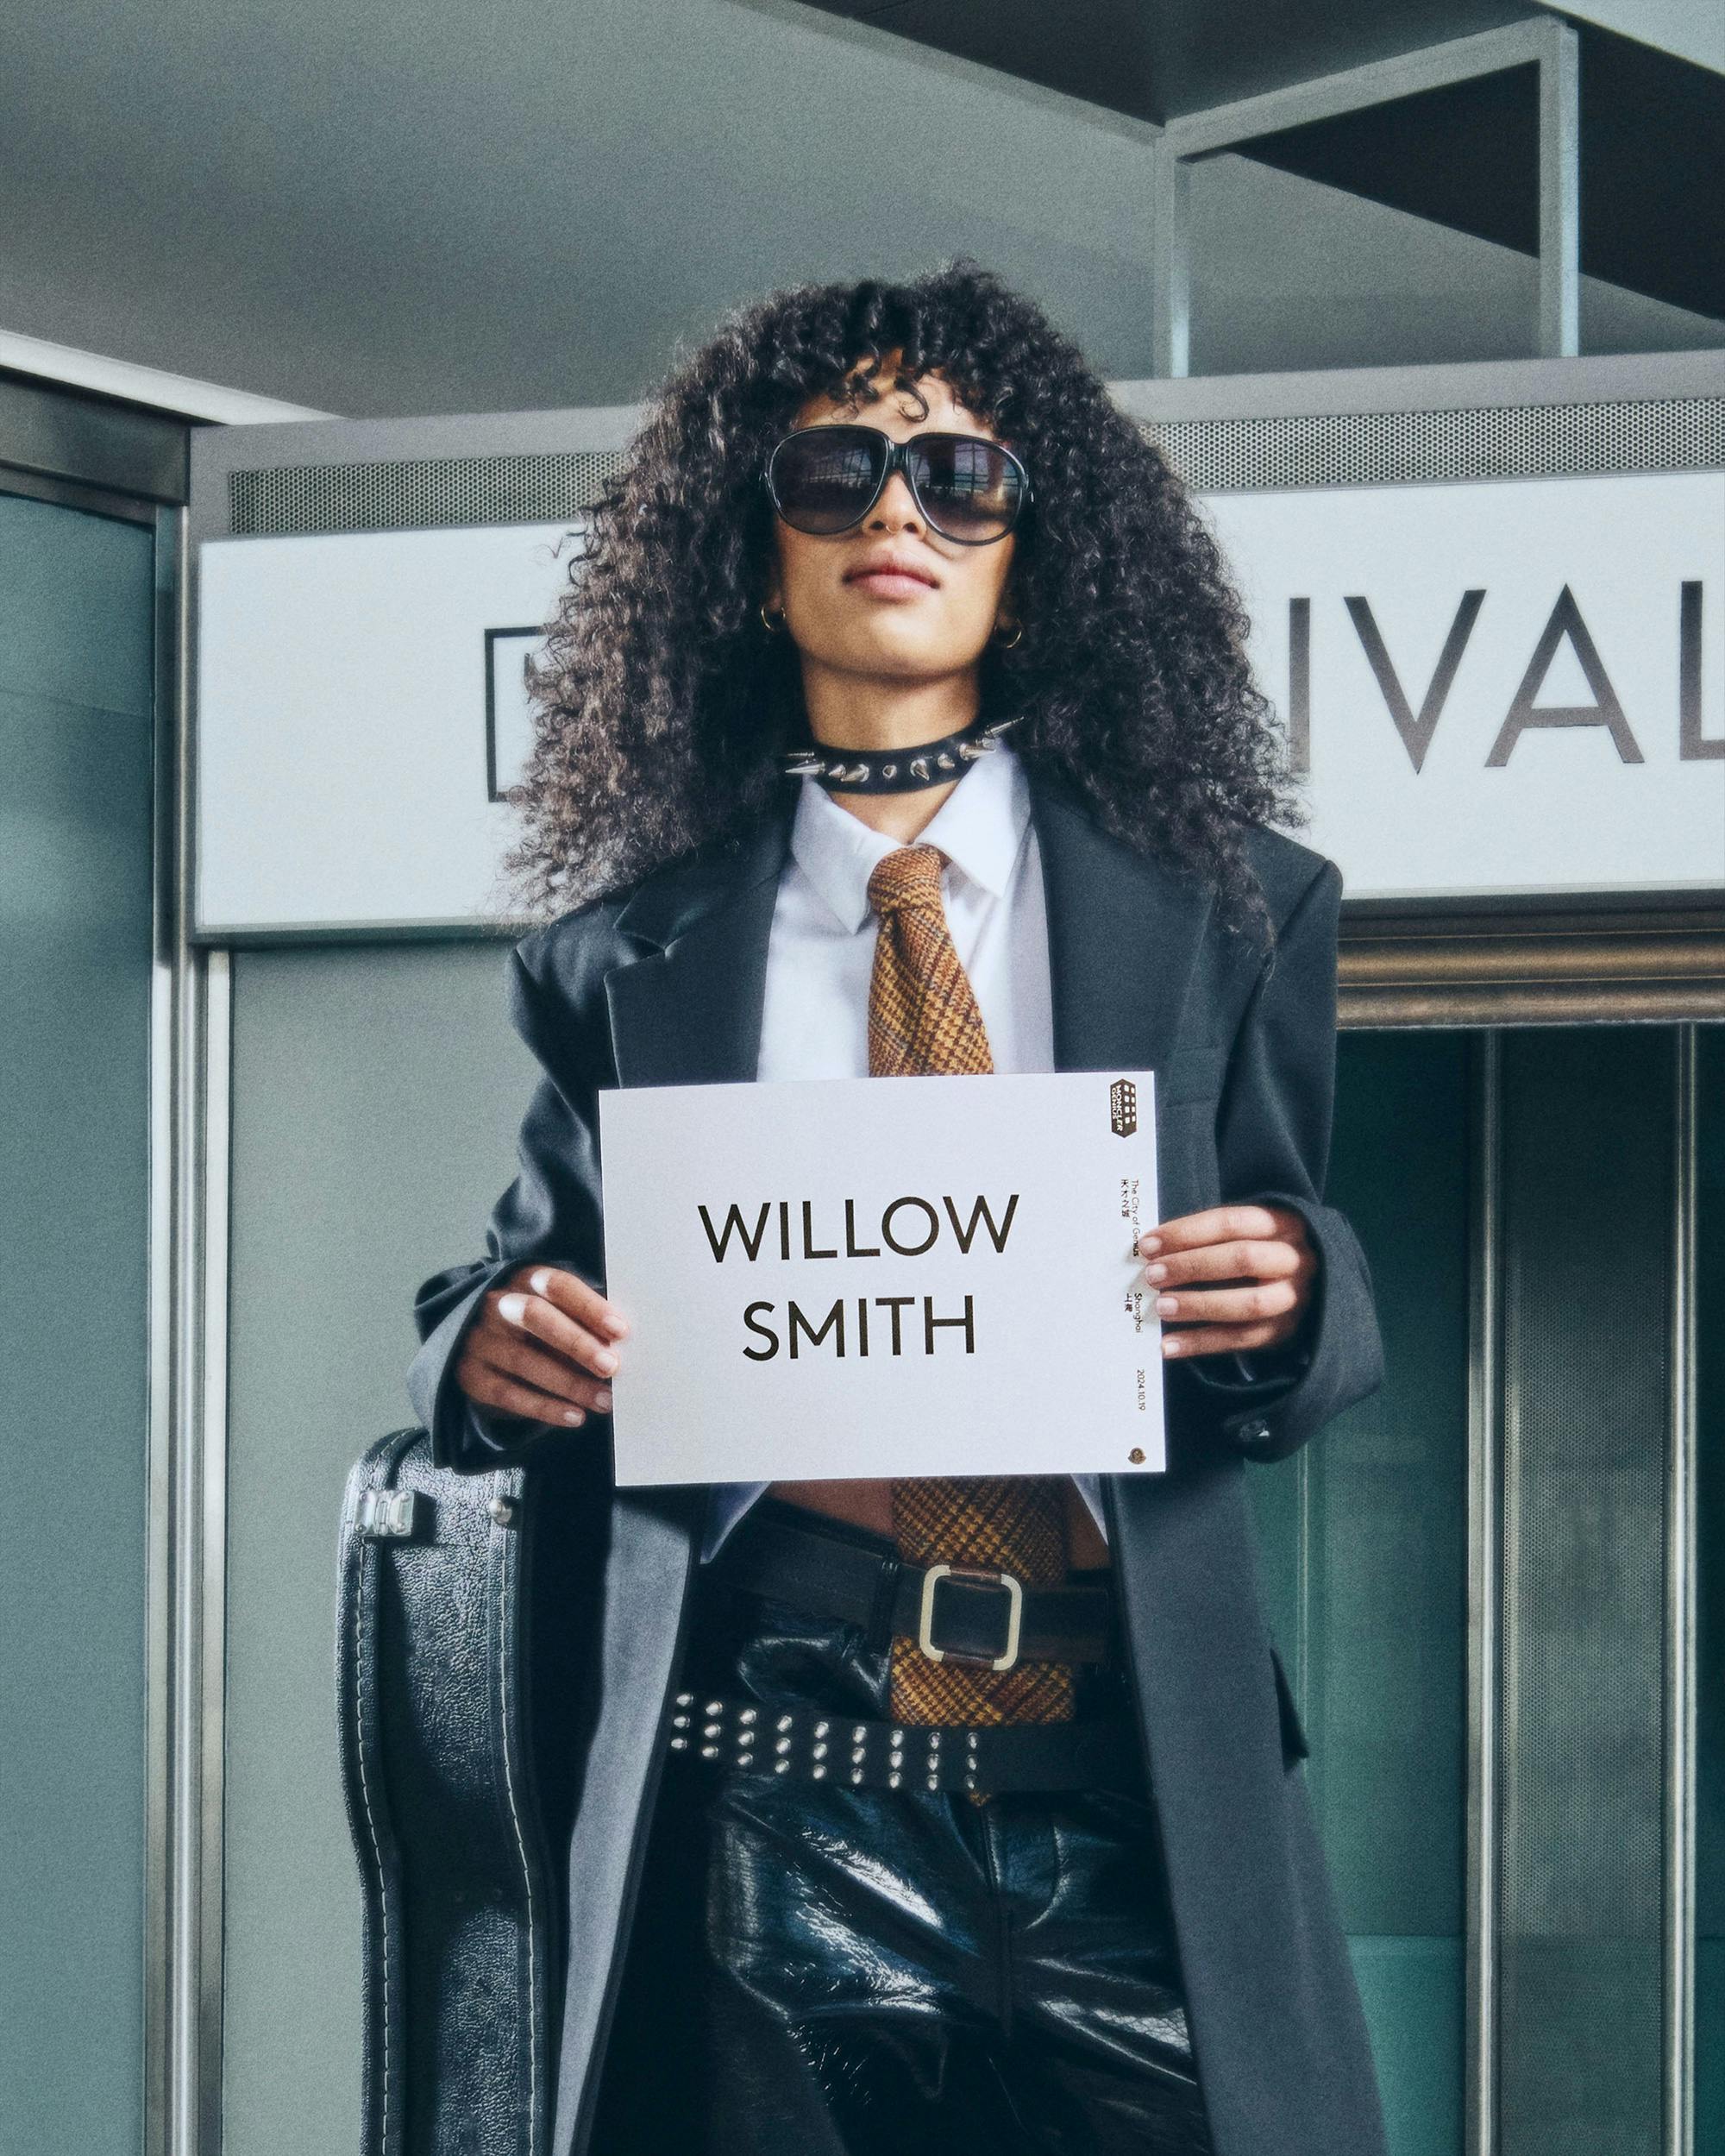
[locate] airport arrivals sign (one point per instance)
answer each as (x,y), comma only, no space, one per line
(1510,688)
(1513,686)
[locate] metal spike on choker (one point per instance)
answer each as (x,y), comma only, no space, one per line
(896,771)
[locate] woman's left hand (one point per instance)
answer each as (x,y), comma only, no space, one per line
(1264,1264)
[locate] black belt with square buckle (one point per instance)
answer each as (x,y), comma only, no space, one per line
(971,1614)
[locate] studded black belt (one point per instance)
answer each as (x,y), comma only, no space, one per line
(815,1744)
(962,1613)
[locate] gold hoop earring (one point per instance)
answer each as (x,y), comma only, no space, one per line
(1007,644)
(767,623)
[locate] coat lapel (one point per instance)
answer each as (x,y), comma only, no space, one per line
(1123,934)
(688,1011)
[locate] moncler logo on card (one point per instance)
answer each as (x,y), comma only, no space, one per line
(1123,1108)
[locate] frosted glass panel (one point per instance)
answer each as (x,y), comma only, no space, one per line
(76,611)
(1588,1194)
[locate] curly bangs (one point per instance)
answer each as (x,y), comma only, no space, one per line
(662,703)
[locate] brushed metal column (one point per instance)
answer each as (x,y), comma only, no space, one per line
(1682,1613)
(1485,1583)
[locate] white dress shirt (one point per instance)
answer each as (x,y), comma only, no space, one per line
(821,956)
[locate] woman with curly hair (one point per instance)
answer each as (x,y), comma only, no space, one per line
(898,720)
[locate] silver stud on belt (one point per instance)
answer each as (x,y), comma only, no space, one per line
(814,1744)
(737,1734)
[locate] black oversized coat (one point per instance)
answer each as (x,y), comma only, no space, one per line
(663,986)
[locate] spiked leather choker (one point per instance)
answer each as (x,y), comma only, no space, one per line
(896,771)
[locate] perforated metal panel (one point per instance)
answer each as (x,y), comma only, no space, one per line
(417,493)
(1365,448)
(1213,455)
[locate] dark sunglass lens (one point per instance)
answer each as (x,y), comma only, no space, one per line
(824,479)
(970,489)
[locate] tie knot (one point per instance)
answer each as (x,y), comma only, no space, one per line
(907,876)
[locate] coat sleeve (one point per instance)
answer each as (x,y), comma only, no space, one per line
(1273,1144)
(550,1212)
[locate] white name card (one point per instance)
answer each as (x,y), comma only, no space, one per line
(846,1277)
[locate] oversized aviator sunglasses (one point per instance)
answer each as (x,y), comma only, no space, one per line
(825,480)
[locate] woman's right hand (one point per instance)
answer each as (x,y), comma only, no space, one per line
(543,1346)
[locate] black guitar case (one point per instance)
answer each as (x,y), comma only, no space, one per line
(445,1805)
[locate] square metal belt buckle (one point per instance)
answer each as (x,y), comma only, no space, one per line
(975,1576)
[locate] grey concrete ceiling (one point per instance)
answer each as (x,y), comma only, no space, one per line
(418,207)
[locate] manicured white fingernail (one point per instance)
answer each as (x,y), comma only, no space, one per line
(602,1399)
(574,1414)
(1165,1306)
(512,1309)
(1149,1244)
(1171,1344)
(540,1282)
(604,1359)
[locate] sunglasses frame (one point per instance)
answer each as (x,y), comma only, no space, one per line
(898,461)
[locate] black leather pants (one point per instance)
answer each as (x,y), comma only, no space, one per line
(893,1973)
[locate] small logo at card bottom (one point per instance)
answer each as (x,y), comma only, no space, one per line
(1123,1108)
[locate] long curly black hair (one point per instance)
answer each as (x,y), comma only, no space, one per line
(662,703)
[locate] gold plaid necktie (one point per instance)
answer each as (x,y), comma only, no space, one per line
(922,1017)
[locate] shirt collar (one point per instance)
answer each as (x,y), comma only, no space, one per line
(979,827)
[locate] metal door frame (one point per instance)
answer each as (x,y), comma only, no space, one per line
(110,458)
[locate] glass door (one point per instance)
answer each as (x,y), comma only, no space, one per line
(77,598)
